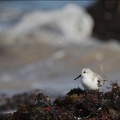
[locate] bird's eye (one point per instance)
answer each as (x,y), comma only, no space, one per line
(84,72)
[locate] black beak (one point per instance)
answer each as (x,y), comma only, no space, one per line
(77,77)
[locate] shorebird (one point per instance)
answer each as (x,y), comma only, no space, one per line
(90,80)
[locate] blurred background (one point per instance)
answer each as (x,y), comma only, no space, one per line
(46,44)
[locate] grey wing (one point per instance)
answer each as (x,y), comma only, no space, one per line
(100,80)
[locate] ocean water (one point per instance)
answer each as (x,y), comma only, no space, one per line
(23,7)
(44,65)
(41,5)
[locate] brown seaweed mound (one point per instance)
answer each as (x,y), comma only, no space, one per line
(75,105)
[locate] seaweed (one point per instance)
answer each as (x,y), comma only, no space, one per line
(77,104)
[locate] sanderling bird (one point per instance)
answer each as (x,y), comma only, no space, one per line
(90,80)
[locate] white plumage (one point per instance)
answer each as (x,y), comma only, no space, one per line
(90,80)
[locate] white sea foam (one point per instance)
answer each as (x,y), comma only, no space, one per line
(69,24)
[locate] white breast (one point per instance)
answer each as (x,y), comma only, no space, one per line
(89,84)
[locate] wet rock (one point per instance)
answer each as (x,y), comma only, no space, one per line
(106,15)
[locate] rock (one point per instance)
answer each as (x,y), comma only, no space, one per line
(106,15)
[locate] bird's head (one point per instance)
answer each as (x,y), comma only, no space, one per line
(85,72)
